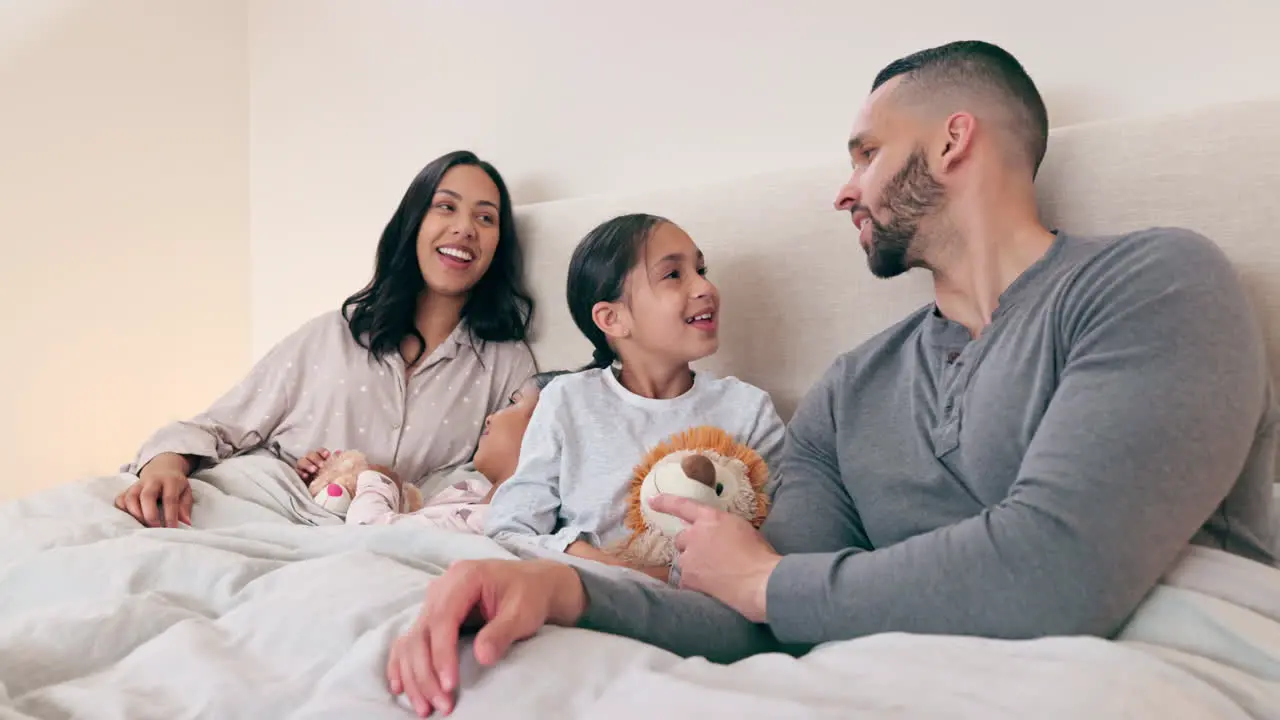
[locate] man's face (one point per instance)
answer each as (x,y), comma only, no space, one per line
(891,190)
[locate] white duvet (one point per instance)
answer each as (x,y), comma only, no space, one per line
(270,608)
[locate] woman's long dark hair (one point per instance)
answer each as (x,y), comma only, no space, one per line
(498,309)
(598,271)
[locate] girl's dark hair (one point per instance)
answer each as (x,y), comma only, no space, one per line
(498,309)
(598,270)
(543,379)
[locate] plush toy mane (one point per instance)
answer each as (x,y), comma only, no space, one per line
(703,437)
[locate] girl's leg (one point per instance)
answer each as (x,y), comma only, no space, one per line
(377,500)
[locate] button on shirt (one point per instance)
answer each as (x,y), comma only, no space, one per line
(317,388)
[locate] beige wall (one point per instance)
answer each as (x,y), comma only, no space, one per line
(184,181)
(124,223)
(573,97)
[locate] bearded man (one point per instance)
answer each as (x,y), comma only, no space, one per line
(1023,457)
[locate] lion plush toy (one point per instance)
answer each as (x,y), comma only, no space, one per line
(334,485)
(703,463)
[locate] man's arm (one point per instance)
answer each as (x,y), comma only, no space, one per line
(811,512)
(1157,408)
(817,513)
(684,622)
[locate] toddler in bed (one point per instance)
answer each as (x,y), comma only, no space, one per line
(637,288)
(462,503)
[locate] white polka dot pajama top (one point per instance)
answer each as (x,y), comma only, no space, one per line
(318,388)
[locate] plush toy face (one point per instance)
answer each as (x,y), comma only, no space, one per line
(701,475)
(340,469)
(705,464)
(334,498)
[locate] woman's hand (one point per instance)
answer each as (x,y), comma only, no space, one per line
(310,464)
(509,600)
(162,483)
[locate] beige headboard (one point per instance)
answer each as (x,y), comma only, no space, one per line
(795,285)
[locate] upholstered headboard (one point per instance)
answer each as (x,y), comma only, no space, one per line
(795,285)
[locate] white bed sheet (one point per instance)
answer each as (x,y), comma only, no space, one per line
(270,608)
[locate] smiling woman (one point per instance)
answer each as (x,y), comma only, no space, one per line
(406,372)
(453,226)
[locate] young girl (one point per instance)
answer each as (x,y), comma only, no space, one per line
(638,290)
(461,505)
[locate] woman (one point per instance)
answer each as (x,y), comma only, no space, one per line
(406,372)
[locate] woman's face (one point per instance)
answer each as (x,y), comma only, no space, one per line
(499,448)
(459,233)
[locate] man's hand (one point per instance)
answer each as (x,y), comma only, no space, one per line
(721,555)
(508,599)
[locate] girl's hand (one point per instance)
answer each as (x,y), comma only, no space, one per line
(584,549)
(657,572)
(310,464)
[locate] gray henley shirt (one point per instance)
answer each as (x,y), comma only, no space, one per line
(1034,481)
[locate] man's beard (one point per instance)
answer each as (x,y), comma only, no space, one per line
(910,196)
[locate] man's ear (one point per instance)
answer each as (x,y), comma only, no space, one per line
(611,319)
(957,141)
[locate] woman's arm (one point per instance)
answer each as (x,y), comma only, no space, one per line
(246,415)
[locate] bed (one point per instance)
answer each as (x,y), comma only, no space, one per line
(268,607)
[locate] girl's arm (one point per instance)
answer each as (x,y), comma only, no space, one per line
(584,549)
(526,508)
(766,436)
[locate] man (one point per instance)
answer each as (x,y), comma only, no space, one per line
(1024,457)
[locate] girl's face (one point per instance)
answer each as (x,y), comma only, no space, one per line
(669,310)
(459,234)
(499,448)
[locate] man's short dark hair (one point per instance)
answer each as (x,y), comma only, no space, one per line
(974,65)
